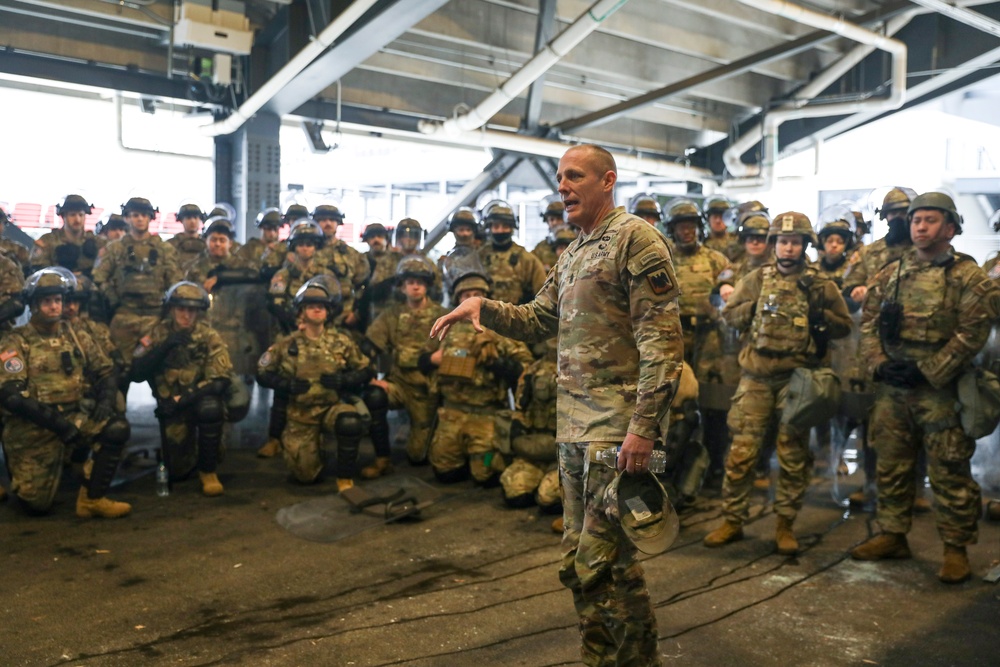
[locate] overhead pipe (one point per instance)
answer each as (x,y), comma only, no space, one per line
(764,176)
(292,68)
(538,65)
(962,15)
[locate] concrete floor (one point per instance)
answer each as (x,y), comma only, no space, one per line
(188,580)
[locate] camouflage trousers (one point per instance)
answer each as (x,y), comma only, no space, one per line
(756,402)
(126,330)
(703,352)
(180,446)
(524,477)
(301,443)
(420,405)
(905,420)
(466,434)
(601,568)
(35,457)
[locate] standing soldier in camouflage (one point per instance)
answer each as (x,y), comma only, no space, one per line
(646,207)
(836,239)
(313,366)
(11,297)
(252,252)
(71,246)
(474,372)
(409,240)
(720,238)
(552,215)
(788,314)
(926,316)
(753,231)
(111,229)
(75,312)
(12,249)
(464,226)
(401,332)
(380,290)
(515,273)
(612,300)
(47,367)
(132,275)
(189,244)
(347,264)
(187,364)
(304,263)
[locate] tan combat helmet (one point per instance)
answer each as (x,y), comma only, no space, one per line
(186,294)
(792,222)
(754,224)
(684,210)
(645,206)
(837,219)
(939,201)
(897,199)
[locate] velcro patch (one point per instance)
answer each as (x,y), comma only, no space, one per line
(659,282)
(7,354)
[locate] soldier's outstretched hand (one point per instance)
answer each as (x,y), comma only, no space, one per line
(467,310)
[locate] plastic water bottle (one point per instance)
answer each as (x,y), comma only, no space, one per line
(657,462)
(162,480)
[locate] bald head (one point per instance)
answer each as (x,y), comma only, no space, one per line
(602,160)
(586,177)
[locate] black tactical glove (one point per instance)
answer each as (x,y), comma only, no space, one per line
(166,409)
(69,434)
(103,411)
(178,339)
(900,374)
(331,380)
(298,386)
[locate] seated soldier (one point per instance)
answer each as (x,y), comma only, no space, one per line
(47,366)
(314,366)
(188,366)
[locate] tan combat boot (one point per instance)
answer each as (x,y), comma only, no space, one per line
(210,484)
(955,568)
(87,508)
(557,526)
(382,466)
(724,534)
(270,449)
(762,483)
(785,538)
(881,546)
(344,484)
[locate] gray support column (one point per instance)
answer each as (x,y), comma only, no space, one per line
(256,172)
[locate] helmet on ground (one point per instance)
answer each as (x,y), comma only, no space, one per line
(186,294)
(415,266)
(269,217)
(219,225)
(464,216)
(837,219)
(306,230)
(188,210)
(645,206)
(139,205)
(497,210)
(49,281)
(754,224)
(464,272)
(939,201)
(74,204)
(321,290)
(374,229)
(408,228)
(792,222)
(327,212)
(113,222)
(295,212)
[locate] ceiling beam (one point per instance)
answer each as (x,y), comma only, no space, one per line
(544,32)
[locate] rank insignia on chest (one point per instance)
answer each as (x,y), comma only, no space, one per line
(659,282)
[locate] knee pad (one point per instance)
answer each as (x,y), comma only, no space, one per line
(519,501)
(209,410)
(376,398)
(237,401)
(116,433)
(452,476)
(349,425)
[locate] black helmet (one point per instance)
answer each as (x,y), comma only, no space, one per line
(464,216)
(74,204)
(409,228)
(186,294)
(498,210)
(219,225)
(188,210)
(306,229)
(415,266)
(324,290)
(48,282)
(113,222)
(139,205)
(269,217)
(328,212)
(295,212)
(374,229)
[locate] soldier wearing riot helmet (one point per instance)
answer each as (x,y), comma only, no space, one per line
(47,367)
(349,265)
(926,316)
(788,314)
(11,298)
(866,262)
(463,224)
(132,275)
(190,243)
(75,311)
(112,229)
(401,333)
(723,235)
(752,232)
(71,245)
(187,364)
(266,252)
(835,233)
(515,273)
(12,249)
(294,213)
(553,211)
(315,367)
(380,287)
(646,207)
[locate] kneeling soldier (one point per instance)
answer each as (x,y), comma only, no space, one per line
(47,366)
(313,366)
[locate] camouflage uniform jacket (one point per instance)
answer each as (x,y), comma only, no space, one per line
(698,273)
(134,274)
(728,244)
(742,267)
(612,299)
(290,278)
(274,257)
(948,307)
(517,275)
(198,270)
(296,356)
(17,253)
(536,395)
(546,254)
(992,268)
(189,248)
(101,335)
(381,287)
(402,332)
(186,368)
(56,249)
(57,368)
(775,313)
(834,273)
(344,262)
(462,379)
(252,252)
(866,262)
(11,285)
